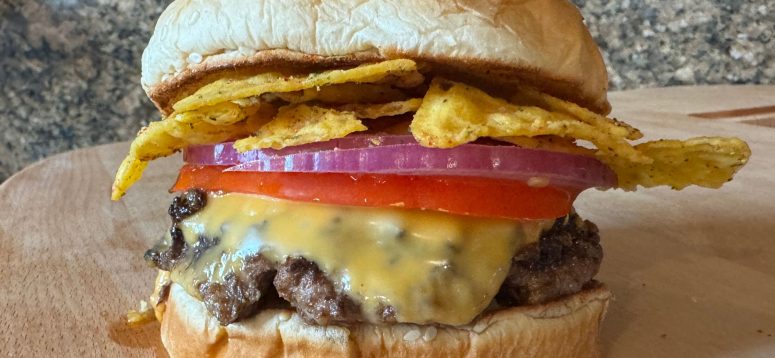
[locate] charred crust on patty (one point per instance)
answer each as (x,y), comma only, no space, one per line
(302,283)
(187,204)
(565,258)
(166,254)
(240,294)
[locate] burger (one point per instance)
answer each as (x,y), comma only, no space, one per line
(388,177)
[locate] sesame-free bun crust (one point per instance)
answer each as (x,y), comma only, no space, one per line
(564,328)
(501,42)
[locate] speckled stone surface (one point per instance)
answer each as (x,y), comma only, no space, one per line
(70,74)
(650,43)
(69,69)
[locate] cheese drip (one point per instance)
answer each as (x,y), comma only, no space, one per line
(431,267)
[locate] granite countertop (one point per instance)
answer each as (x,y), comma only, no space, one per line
(70,69)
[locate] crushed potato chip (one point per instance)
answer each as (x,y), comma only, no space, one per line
(249,101)
(225,113)
(705,161)
(165,137)
(374,111)
(301,124)
(449,114)
(231,89)
(345,93)
(549,142)
(555,104)
(231,108)
(153,142)
(204,132)
(145,314)
(129,172)
(403,80)
(452,114)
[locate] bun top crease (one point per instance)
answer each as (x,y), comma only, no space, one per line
(543,43)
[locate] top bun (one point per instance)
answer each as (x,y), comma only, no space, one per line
(543,43)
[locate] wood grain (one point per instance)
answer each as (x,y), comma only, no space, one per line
(740,112)
(693,271)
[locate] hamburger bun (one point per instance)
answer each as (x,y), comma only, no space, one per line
(500,43)
(567,327)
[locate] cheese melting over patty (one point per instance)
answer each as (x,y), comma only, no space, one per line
(431,267)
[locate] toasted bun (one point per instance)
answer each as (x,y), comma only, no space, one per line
(500,42)
(565,328)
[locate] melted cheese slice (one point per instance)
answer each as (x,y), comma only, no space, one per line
(430,266)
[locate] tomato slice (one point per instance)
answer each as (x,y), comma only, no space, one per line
(481,197)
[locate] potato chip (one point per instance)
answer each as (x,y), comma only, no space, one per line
(301,124)
(145,314)
(452,114)
(705,161)
(549,142)
(225,113)
(165,137)
(129,172)
(403,80)
(204,132)
(153,142)
(231,89)
(345,93)
(555,104)
(373,111)
(249,101)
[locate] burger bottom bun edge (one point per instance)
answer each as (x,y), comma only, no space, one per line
(568,327)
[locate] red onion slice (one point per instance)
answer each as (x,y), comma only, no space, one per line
(402,155)
(226,154)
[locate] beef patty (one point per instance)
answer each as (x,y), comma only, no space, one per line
(565,259)
(300,282)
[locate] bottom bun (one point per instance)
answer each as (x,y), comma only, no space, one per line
(568,327)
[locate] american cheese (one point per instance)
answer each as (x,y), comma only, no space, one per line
(430,266)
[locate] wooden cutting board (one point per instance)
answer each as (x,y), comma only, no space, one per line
(693,271)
